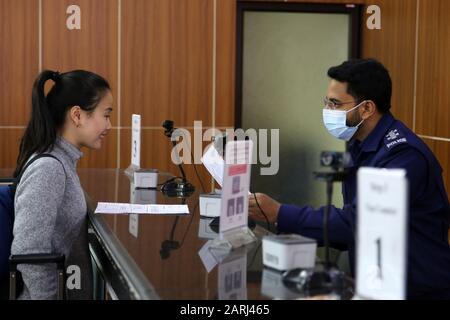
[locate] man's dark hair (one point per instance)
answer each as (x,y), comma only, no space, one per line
(367,79)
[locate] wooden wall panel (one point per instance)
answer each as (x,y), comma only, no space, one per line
(394,46)
(93,48)
(19,59)
(103,158)
(441,149)
(167,54)
(309,1)
(433,81)
(167,61)
(155,153)
(9,144)
(225,62)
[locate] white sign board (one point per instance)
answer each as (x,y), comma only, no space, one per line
(381,233)
(235,189)
(136,140)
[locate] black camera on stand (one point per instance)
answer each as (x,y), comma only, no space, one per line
(337,161)
(178,186)
(329,279)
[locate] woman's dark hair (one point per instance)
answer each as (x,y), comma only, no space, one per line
(75,88)
(367,79)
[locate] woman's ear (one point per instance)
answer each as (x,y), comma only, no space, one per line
(75,115)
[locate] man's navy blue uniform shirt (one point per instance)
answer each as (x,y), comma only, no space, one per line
(391,145)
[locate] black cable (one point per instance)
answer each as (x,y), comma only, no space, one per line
(180,166)
(262,211)
(326,215)
(172,178)
(190,222)
(254,255)
(169,130)
(196,172)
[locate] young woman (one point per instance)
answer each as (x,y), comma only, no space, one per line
(50,208)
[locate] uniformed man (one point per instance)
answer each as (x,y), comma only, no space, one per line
(356,109)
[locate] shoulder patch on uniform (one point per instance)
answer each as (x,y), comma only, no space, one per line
(393,138)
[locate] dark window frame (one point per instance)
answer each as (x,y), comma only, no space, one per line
(354,10)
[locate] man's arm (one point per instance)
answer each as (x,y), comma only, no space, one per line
(306,220)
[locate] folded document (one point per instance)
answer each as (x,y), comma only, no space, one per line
(123,208)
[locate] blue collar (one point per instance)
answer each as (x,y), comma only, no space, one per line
(374,138)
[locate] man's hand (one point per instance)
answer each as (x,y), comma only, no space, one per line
(267,204)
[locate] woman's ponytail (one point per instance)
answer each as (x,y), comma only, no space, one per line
(40,133)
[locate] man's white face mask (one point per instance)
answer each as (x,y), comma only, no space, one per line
(336,123)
